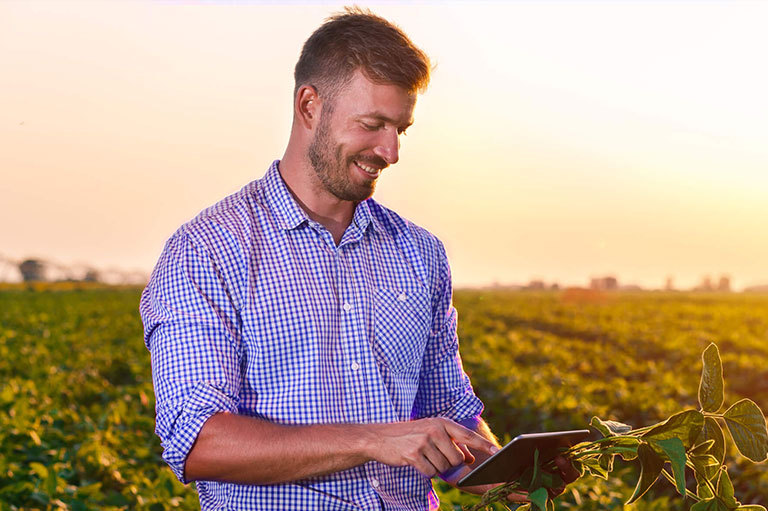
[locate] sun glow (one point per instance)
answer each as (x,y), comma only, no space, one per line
(557,140)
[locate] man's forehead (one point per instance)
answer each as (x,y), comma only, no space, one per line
(360,89)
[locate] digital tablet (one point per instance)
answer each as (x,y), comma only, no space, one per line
(511,461)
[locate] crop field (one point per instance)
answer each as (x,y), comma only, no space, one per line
(77,408)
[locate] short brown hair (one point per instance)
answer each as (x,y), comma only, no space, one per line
(358,39)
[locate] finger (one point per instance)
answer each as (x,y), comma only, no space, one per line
(460,434)
(554,492)
(567,471)
(517,497)
(423,465)
(437,458)
(469,458)
(449,448)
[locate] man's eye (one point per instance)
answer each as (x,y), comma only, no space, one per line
(371,127)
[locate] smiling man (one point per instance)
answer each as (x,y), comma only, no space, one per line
(303,340)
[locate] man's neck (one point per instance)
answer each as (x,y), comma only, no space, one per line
(319,204)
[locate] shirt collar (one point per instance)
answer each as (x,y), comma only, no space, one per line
(290,215)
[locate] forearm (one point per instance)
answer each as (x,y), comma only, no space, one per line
(246,450)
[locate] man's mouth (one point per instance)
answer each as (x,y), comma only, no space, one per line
(368,169)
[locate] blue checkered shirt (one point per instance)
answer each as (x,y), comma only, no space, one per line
(253,309)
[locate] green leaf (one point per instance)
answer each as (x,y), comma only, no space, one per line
(592,465)
(702,448)
(650,468)
(606,462)
(713,431)
(610,428)
(752,507)
(725,490)
(711,385)
(712,504)
(675,451)
(627,441)
(539,498)
(51,483)
(746,423)
(536,477)
(703,491)
(39,469)
(705,466)
(685,425)
(578,466)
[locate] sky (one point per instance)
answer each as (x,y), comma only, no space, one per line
(557,141)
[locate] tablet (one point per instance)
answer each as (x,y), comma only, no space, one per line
(511,461)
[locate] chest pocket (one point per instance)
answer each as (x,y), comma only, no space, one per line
(402,320)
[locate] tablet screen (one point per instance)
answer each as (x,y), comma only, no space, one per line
(511,461)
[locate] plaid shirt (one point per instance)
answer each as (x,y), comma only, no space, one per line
(253,309)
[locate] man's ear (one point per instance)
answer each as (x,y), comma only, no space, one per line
(307,106)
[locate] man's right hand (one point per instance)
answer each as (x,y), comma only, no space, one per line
(430,445)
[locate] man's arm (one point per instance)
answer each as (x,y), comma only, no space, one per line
(246,450)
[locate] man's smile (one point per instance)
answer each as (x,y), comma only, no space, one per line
(370,170)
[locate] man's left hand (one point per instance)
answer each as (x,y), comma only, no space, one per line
(567,473)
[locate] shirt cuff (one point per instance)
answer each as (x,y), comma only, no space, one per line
(202,403)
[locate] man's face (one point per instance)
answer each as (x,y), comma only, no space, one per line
(359,136)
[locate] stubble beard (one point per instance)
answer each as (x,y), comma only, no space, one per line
(332,168)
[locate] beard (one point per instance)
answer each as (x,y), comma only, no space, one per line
(333,168)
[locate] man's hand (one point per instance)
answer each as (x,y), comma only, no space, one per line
(566,472)
(430,445)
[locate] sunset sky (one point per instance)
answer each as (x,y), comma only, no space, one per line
(558,140)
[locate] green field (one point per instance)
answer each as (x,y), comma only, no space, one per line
(77,411)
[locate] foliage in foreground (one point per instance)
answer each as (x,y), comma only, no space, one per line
(77,408)
(691,439)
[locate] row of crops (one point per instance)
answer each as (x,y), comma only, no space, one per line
(77,410)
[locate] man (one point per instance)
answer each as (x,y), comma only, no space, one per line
(303,341)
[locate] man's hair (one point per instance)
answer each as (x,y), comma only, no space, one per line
(358,39)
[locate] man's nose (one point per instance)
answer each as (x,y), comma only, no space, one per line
(388,147)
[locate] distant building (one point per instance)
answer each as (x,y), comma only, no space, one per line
(536,285)
(670,284)
(723,285)
(92,275)
(32,270)
(608,283)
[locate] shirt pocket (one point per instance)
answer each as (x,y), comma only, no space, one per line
(401,326)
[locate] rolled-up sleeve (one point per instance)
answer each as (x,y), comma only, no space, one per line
(444,387)
(192,330)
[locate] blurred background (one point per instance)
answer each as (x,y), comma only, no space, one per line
(558,142)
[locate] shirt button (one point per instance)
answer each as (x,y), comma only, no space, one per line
(355,366)
(375,483)
(402,297)
(347,306)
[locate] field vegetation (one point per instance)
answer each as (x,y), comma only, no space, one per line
(77,409)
